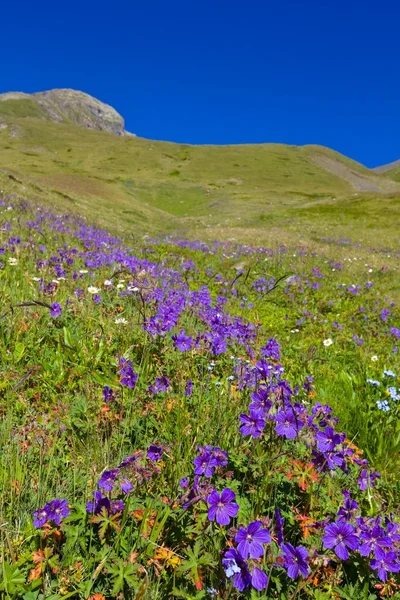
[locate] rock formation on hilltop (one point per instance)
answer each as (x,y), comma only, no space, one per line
(65,106)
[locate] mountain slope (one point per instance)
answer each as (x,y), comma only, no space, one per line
(391,170)
(150,186)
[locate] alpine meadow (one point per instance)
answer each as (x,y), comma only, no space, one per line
(200,374)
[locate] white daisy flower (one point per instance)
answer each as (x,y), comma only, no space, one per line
(328,342)
(12,261)
(93,290)
(120,321)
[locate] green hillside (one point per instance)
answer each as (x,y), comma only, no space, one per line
(225,191)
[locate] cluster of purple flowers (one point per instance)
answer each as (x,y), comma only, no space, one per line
(375,538)
(128,377)
(131,468)
(55,511)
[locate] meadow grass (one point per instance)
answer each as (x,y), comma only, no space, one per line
(153,349)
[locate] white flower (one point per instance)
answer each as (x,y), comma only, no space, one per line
(328,342)
(93,290)
(374,358)
(369,270)
(36,279)
(120,321)
(120,286)
(83,271)
(12,261)
(108,282)
(294,330)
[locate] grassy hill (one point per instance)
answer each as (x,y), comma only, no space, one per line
(148,186)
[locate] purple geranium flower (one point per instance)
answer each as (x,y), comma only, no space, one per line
(253,424)
(271,349)
(219,457)
(287,424)
(128,376)
(234,566)
(58,509)
(108,394)
(367,478)
(222,508)
(385,562)
(340,536)
(126,486)
(251,539)
(41,516)
(55,310)
(160,385)
(154,452)
(373,540)
(182,341)
(327,440)
(295,560)
(204,464)
(345,512)
(188,388)
(106,481)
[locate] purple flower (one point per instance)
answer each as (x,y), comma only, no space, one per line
(367,478)
(234,566)
(271,349)
(345,512)
(251,539)
(372,540)
(182,341)
(385,562)
(261,402)
(41,516)
(184,483)
(204,464)
(95,506)
(108,394)
(287,424)
(295,560)
(154,452)
(327,440)
(219,457)
(259,580)
(128,377)
(58,509)
(106,481)
(117,506)
(55,310)
(126,486)
(160,385)
(340,536)
(253,424)
(222,508)
(279,521)
(188,388)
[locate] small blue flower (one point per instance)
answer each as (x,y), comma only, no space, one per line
(374,382)
(389,373)
(383,405)
(393,393)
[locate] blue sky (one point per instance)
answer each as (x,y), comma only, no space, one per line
(219,71)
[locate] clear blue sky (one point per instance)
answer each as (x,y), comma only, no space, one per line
(221,71)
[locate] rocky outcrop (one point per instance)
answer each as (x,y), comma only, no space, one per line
(74,107)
